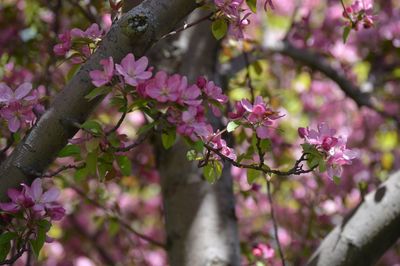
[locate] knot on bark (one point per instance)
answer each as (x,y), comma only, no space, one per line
(135,25)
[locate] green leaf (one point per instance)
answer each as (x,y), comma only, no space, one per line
(322,166)
(93,126)
(232,125)
(72,72)
(7,237)
(97,92)
(37,244)
(212,171)
(69,150)
(191,155)
(146,128)
(91,163)
(219,28)
(80,174)
(168,139)
(92,145)
(265,145)
(252,175)
(336,180)
(346,32)
(252,5)
(125,165)
(5,244)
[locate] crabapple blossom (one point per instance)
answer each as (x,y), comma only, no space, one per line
(263,251)
(166,89)
(133,71)
(17,106)
(33,199)
(65,45)
(257,115)
(93,32)
(102,77)
(333,148)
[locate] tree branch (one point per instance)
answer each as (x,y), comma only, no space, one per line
(135,32)
(367,231)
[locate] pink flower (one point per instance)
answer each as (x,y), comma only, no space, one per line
(34,199)
(214,93)
(220,144)
(334,148)
(263,251)
(134,72)
(65,45)
(16,106)
(93,32)
(100,78)
(190,96)
(258,115)
(164,88)
(192,123)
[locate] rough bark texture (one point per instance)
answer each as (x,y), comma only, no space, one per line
(135,32)
(200,218)
(368,231)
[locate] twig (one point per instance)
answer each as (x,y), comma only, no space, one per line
(111,214)
(297,169)
(15,257)
(248,77)
(274,222)
(186,26)
(63,168)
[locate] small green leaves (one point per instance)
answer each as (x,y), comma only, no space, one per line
(219,28)
(212,171)
(191,155)
(37,244)
(97,92)
(125,165)
(336,179)
(252,175)
(168,139)
(93,127)
(69,150)
(5,244)
(252,5)
(346,32)
(232,125)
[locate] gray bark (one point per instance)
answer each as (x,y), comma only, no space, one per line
(135,32)
(367,232)
(200,217)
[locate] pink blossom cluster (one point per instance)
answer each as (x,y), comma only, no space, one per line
(131,71)
(263,251)
(16,107)
(183,101)
(34,202)
(359,12)
(258,116)
(218,143)
(232,11)
(68,42)
(334,148)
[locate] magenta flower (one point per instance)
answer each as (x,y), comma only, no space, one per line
(220,144)
(258,115)
(333,148)
(263,251)
(65,45)
(190,96)
(102,77)
(134,72)
(164,88)
(34,199)
(192,123)
(93,32)
(16,106)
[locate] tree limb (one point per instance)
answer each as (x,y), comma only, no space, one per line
(135,32)
(367,232)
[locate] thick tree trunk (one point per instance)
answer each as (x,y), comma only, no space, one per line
(200,218)
(135,32)
(368,231)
